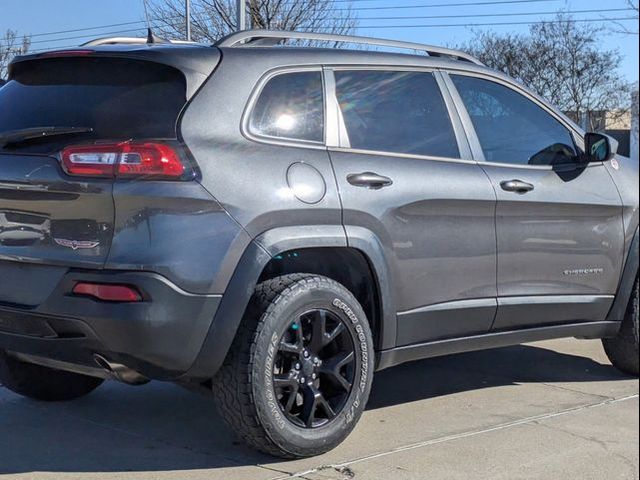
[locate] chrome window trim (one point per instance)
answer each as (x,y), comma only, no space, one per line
(337,134)
(345,147)
(521,89)
(471,131)
(379,67)
(357,151)
(332,137)
(515,165)
(464,147)
(342,125)
(283,141)
(467,125)
(542,167)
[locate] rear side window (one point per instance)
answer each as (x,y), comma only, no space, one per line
(290,107)
(118,98)
(397,112)
(511,128)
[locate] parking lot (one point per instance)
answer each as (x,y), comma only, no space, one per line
(552,409)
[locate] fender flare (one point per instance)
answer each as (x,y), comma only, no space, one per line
(247,273)
(625,288)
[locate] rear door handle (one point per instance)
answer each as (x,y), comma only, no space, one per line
(369,180)
(517,186)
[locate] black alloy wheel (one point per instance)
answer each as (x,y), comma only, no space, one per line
(314,368)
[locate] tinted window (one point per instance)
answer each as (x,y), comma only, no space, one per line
(511,128)
(118,98)
(290,106)
(399,112)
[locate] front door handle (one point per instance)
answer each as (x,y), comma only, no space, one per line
(517,186)
(369,180)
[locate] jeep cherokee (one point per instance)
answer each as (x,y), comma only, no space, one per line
(273,224)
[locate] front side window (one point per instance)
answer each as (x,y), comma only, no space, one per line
(511,128)
(290,107)
(396,112)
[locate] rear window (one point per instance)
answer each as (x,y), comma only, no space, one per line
(118,98)
(290,107)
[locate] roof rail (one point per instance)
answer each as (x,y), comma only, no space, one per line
(130,41)
(273,37)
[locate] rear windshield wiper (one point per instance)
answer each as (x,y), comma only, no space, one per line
(14,137)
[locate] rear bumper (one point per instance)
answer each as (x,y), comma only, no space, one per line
(159,337)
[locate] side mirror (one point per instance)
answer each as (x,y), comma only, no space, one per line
(600,147)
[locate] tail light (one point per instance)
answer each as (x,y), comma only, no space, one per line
(125,159)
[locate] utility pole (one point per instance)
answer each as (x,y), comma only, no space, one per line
(242,14)
(187,12)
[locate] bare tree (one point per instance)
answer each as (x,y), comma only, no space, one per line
(622,28)
(212,19)
(10,46)
(561,61)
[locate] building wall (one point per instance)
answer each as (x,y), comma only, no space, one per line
(618,120)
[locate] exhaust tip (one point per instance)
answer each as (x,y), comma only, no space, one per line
(120,372)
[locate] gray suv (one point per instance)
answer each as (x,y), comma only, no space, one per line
(272,225)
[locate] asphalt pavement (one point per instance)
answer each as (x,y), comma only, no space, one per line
(552,410)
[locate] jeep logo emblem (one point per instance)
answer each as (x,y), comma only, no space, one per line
(76,244)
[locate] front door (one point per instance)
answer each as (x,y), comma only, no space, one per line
(558,220)
(405,176)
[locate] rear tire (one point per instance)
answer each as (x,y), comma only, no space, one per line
(298,375)
(623,349)
(43,383)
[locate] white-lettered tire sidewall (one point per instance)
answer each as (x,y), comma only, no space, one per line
(297,300)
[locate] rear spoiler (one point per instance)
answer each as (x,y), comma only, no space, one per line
(194,61)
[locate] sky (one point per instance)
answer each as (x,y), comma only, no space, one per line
(38,17)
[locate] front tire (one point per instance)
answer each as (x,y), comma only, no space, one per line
(623,349)
(298,375)
(43,383)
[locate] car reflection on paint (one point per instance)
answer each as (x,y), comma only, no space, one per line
(22,229)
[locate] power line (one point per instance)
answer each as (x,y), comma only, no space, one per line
(576,20)
(62,47)
(422,6)
(98,27)
(449,25)
(36,35)
(413,17)
(459,4)
(571,12)
(52,40)
(87,28)
(442,5)
(485,2)
(107,34)
(435,5)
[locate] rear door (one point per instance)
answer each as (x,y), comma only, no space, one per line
(51,218)
(405,175)
(558,220)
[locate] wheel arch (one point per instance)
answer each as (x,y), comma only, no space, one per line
(625,288)
(260,261)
